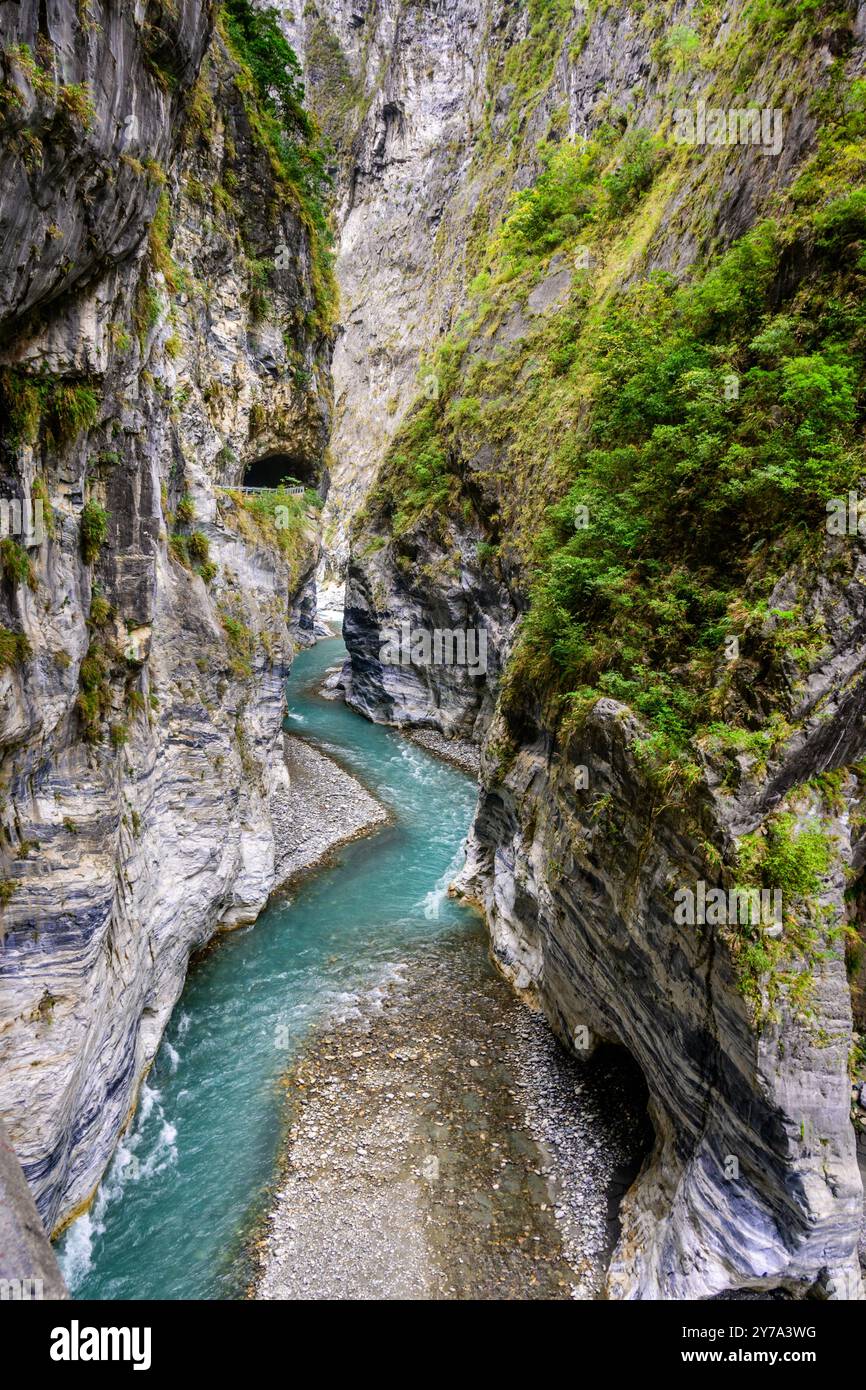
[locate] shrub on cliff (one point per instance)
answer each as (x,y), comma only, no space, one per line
(15,564)
(14,648)
(269,84)
(93,531)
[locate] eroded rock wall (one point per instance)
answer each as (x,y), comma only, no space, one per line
(577,878)
(144,366)
(400,90)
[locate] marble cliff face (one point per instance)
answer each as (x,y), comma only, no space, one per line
(145,363)
(577,881)
(142,696)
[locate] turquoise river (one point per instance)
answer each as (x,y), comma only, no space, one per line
(189,1177)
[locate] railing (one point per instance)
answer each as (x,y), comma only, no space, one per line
(293,491)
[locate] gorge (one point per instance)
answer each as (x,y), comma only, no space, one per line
(441,314)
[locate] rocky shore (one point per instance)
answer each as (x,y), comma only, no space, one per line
(444,1146)
(460,752)
(323,807)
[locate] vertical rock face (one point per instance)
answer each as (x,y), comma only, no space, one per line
(442,587)
(401,92)
(753,1181)
(83,103)
(150,352)
(582,841)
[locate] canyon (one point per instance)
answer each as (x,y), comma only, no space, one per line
(512,426)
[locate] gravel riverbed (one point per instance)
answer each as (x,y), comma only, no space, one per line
(324,807)
(441,1145)
(460,752)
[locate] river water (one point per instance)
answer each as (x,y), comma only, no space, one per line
(193,1177)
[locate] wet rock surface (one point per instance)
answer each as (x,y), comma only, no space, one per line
(442,1145)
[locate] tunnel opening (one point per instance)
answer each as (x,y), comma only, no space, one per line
(278,469)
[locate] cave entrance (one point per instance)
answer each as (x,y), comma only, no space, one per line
(273,470)
(623,1097)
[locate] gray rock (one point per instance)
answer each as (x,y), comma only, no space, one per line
(126,858)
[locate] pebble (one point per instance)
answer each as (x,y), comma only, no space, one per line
(430,1185)
(323,808)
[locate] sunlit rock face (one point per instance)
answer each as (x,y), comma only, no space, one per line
(140,741)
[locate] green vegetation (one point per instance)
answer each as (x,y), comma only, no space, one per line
(276,518)
(579,189)
(73,103)
(528,65)
(341,101)
(680,483)
(161,258)
(200,106)
(270,85)
(146,309)
(76,104)
(71,409)
(198,548)
(101,610)
(185,511)
(15,564)
(14,649)
(793,861)
(177,549)
(191,548)
(783,857)
(256,35)
(65,409)
(241,644)
(94,698)
(39,493)
(651,454)
(681,46)
(21,406)
(93,531)
(669,480)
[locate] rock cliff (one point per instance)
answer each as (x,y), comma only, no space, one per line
(401,92)
(164,325)
(614,475)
